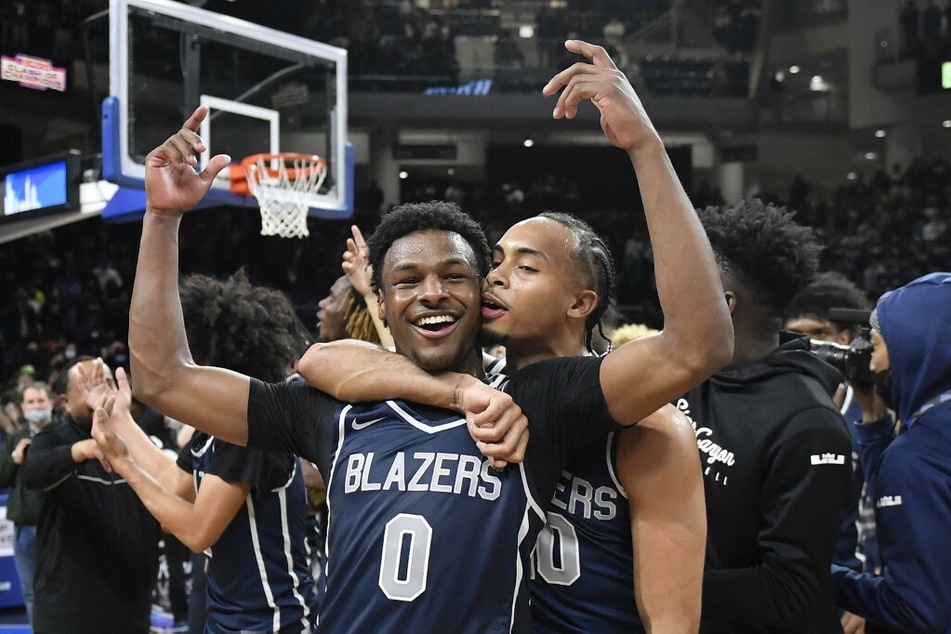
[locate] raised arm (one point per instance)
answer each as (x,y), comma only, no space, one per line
(697,339)
(164,375)
(357,270)
(659,468)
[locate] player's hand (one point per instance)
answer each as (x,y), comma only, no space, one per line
(852,623)
(172,185)
(94,384)
(623,118)
(19,452)
(496,423)
(355,265)
(112,450)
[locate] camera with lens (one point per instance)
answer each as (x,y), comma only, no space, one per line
(851,360)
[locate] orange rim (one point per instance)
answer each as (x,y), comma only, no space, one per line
(250,163)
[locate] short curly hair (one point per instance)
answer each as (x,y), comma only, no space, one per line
(764,249)
(436,215)
(829,289)
(236,325)
(592,258)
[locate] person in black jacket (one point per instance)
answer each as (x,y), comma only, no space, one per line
(774,449)
(97,546)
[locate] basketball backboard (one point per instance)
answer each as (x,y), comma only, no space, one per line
(267,92)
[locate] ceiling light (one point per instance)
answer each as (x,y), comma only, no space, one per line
(404,175)
(793,69)
(526,31)
(852,176)
(946,123)
(879,134)
(528,142)
(871,156)
(451,171)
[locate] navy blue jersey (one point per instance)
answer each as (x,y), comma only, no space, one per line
(584,580)
(258,574)
(423,534)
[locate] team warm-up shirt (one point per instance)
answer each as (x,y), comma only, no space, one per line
(584,559)
(258,576)
(424,535)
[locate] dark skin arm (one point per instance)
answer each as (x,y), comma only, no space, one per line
(698,336)
(659,468)
(164,374)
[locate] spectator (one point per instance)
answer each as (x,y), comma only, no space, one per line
(97,546)
(772,442)
(23,504)
(908,473)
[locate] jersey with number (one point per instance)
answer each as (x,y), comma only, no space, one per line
(584,560)
(258,574)
(423,534)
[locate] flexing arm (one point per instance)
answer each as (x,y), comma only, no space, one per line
(198,525)
(165,376)
(697,339)
(659,468)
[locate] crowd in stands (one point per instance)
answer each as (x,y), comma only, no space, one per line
(68,289)
(400,46)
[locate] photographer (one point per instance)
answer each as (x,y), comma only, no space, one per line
(909,472)
(833,312)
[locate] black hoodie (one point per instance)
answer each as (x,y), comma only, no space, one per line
(776,459)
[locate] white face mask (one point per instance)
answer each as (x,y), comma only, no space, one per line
(39,417)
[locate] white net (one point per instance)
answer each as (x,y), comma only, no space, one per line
(284,185)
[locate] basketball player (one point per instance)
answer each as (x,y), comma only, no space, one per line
(543,269)
(244,507)
(412,502)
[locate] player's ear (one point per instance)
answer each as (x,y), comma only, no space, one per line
(381,307)
(585,302)
(730,300)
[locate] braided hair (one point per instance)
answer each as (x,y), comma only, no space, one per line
(357,318)
(593,260)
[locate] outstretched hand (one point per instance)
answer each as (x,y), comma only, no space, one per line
(355,265)
(496,423)
(97,385)
(112,448)
(623,119)
(172,186)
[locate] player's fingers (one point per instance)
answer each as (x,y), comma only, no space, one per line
(597,54)
(562,79)
(193,122)
(582,87)
(358,237)
(122,380)
(215,165)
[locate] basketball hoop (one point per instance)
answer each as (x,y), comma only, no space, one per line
(284,184)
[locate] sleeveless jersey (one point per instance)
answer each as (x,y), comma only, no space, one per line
(423,535)
(416,488)
(258,577)
(584,559)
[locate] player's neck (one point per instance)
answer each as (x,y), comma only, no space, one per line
(518,356)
